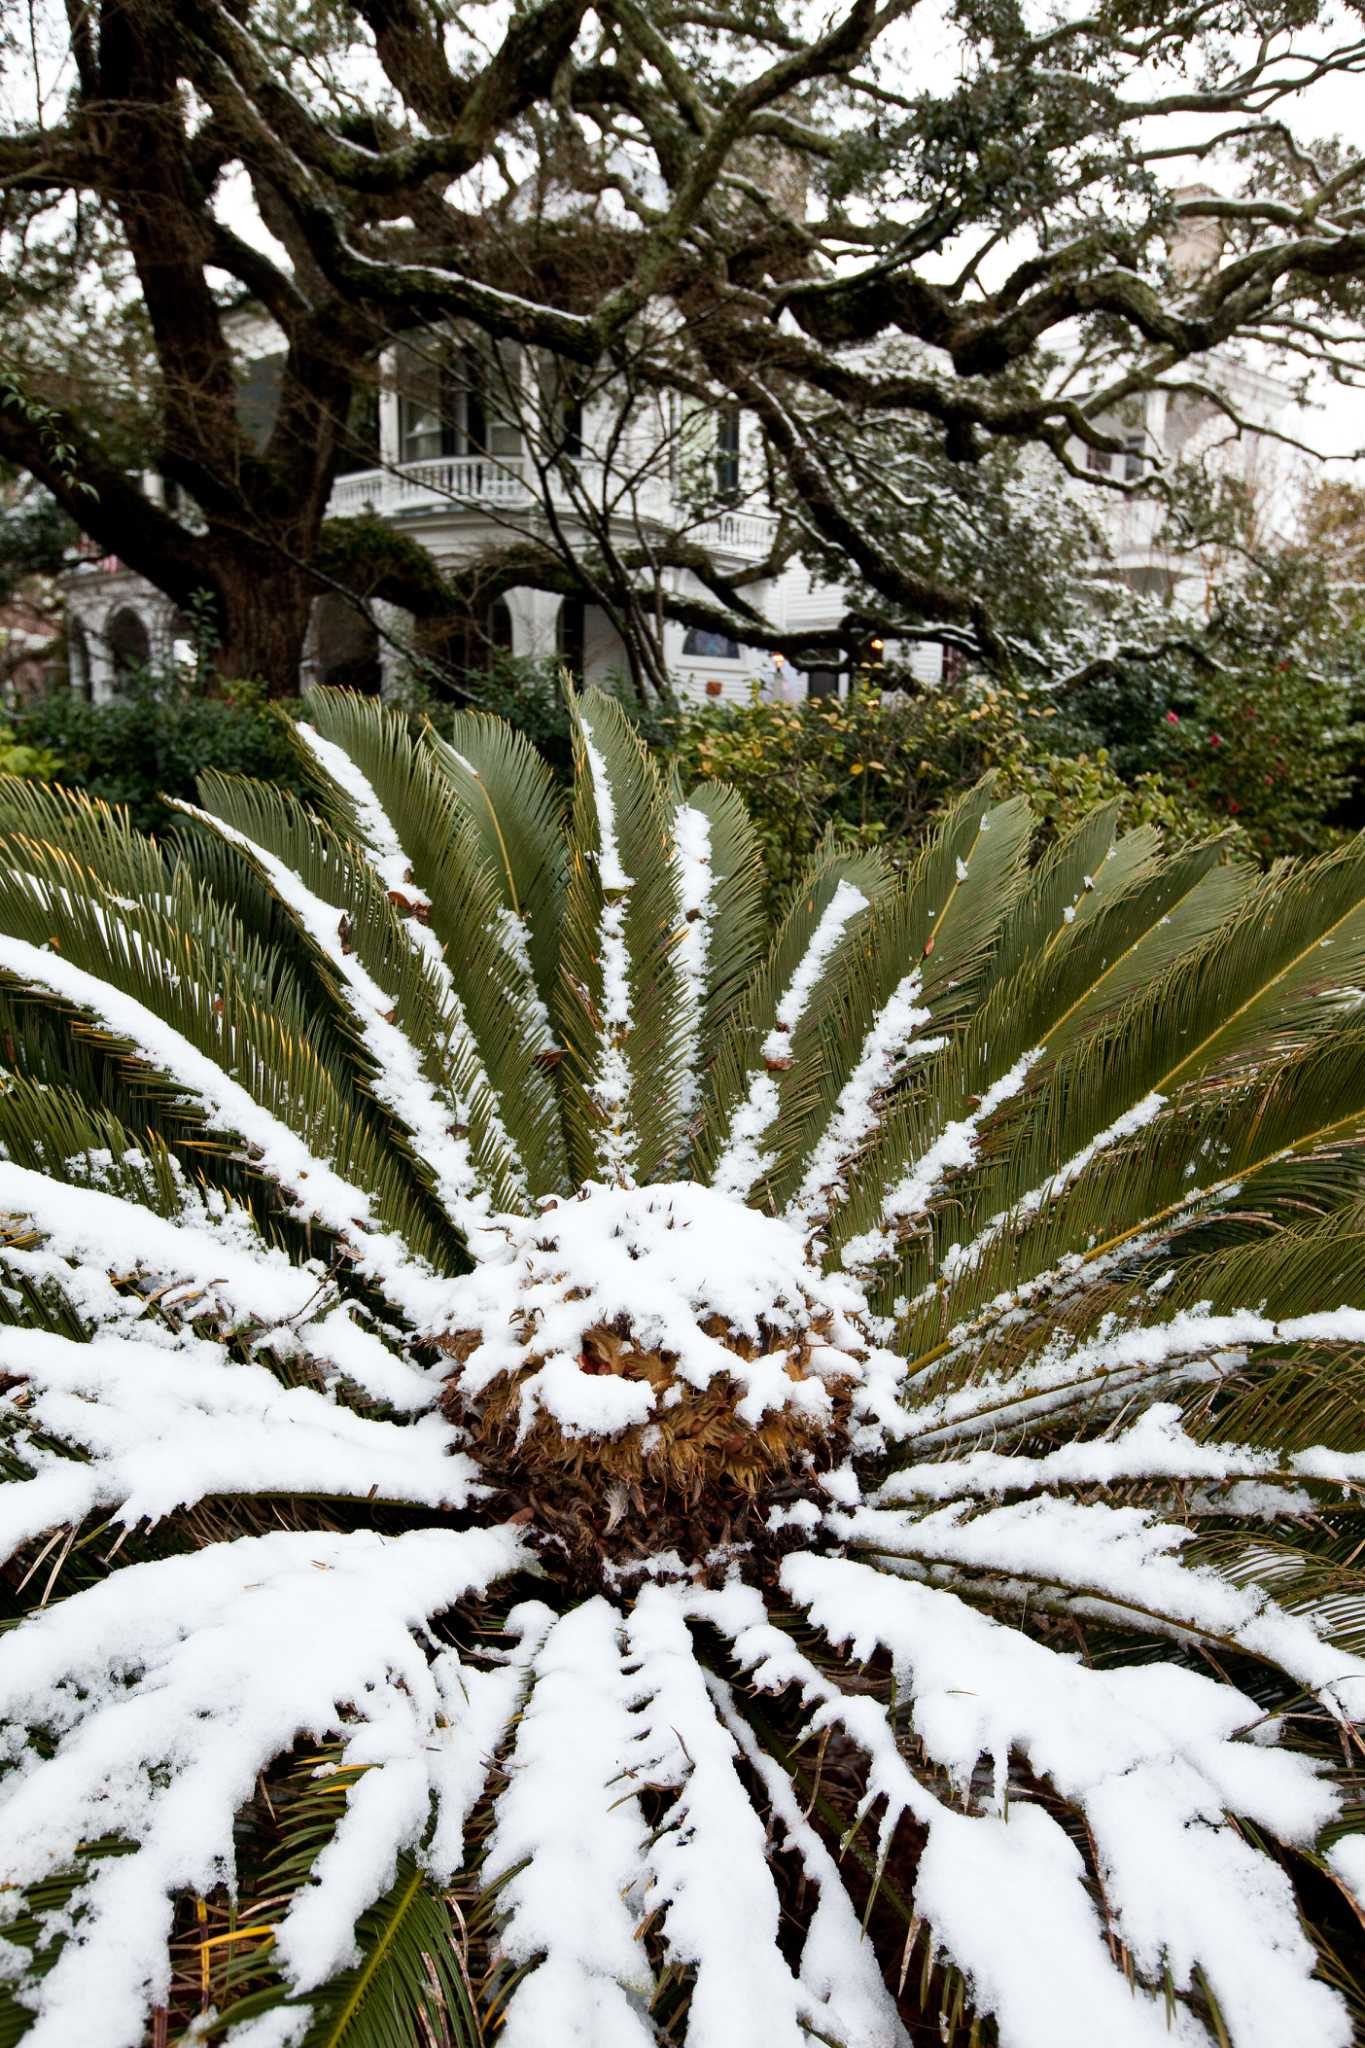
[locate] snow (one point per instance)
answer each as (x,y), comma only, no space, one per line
(663,1259)
(953,1150)
(612,875)
(164,1425)
(434,1118)
(219,1255)
(960,1258)
(148,1688)
(479,1706)
(743,1161)
(1154,1447)
(888,1048)
(1114,1557)
(514,936)
(611,1082)
(283,2028)
(318,1191)
(1151,1755)
(372,820)
(567,1840)
(840,1987)
(708,1866)
(1346,1860)
(691,855)
(1193,1344)
(844,905)
(209,1264)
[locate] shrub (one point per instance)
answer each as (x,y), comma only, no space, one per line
(874,771)
(1276,754)
(580,1466)
(17,758)
(151,741)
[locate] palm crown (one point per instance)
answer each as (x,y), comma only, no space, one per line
(582,1470)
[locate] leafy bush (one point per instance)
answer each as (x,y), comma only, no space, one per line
(155,738)
(581,1464)
(1277,754)
(874,771)
(1267,734)
(18,758)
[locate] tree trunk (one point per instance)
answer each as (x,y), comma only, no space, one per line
(263,606)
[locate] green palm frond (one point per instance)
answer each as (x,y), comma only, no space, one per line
(512,804)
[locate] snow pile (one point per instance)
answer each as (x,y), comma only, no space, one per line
(160,1694)
(1155,1757)
(661,1261)
(163,1424)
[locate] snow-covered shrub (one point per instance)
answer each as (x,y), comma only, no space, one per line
(582,1471)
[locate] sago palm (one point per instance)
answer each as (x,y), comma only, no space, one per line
(582,1471)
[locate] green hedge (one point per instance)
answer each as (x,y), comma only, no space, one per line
(152,740)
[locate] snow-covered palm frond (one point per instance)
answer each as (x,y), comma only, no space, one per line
(573,1469)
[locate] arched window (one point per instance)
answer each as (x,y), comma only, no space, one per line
(710,646)
(129,643)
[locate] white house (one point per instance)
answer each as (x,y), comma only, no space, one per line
(472,446)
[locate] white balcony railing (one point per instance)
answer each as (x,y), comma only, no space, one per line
(457,480)
(472,483)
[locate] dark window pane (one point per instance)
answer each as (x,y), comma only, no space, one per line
(714,646)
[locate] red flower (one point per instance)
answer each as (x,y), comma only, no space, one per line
(1172,718)
(1215,739)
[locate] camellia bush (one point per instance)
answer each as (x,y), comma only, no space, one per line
(581,1469)
(874,770)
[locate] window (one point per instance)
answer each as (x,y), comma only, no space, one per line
(727,451)
(710,646)
(560,403)
(358,441)
(822,682)
(129,643)
(456,398)
(427,400)
(1099,460)
(1134,456)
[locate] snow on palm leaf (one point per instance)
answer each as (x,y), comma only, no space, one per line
(578,1469)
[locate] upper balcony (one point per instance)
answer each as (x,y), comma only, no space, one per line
(498,487)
